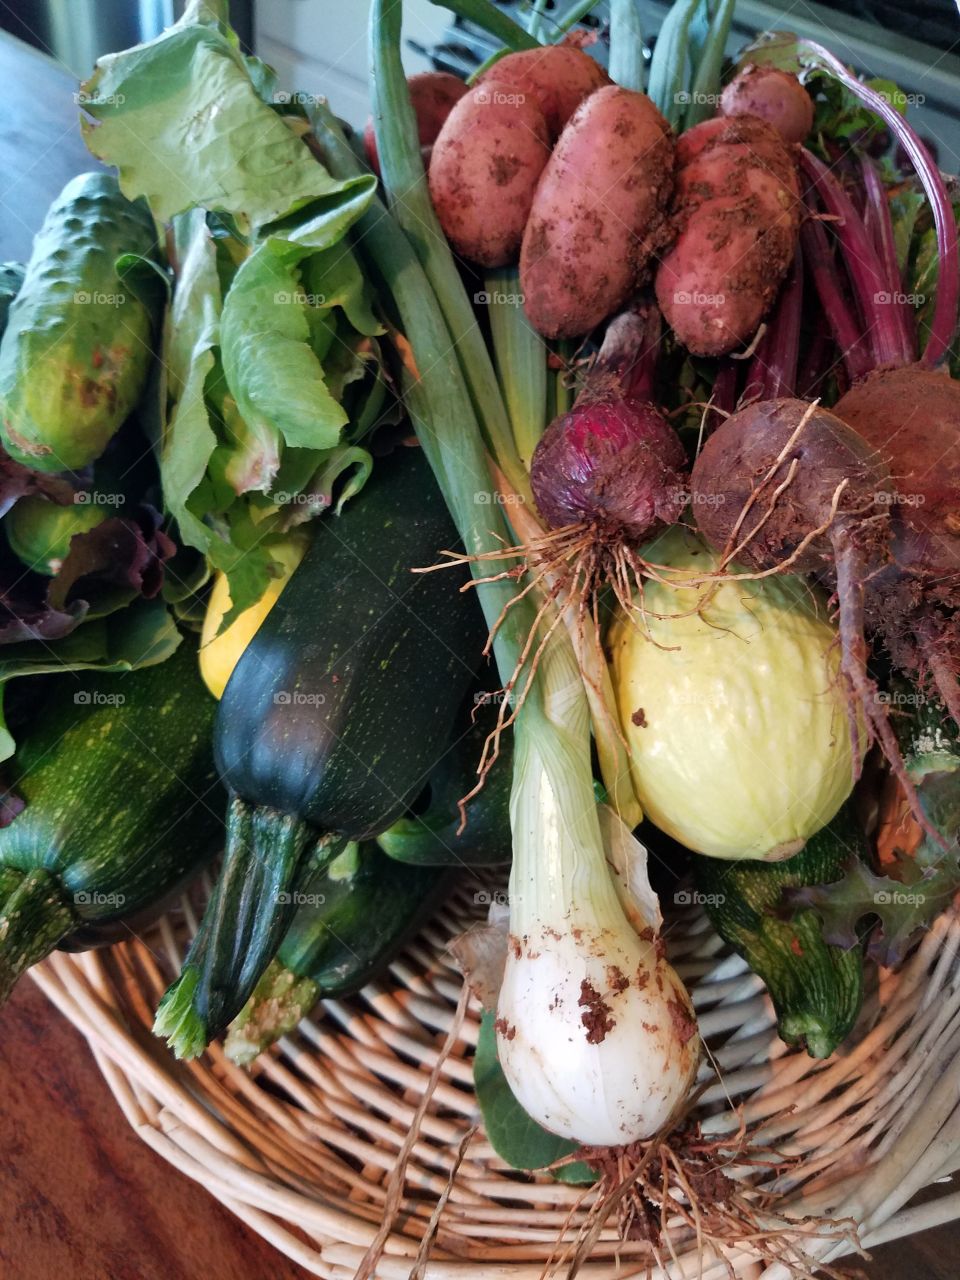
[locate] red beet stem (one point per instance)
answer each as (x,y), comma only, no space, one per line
(880,226)
(816,362)
(724,394)
(880,323)
(944,323)
(773,370)
(846,328)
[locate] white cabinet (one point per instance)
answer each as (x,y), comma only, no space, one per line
(320,46)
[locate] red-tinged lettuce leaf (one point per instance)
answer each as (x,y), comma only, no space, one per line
(16,481)
(27,614)
(112,564)
(901,904)
(106,569)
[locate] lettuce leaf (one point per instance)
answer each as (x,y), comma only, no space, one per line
(139,636)
(185,124)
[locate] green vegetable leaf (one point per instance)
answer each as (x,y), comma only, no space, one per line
(517,1139)
(139,636)
(278,382)
(185,124)
(192,333)
(905,206)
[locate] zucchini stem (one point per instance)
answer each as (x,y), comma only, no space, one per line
(268,857)
(280,1000)
(33,919)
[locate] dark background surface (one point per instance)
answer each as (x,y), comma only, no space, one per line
(80,1194)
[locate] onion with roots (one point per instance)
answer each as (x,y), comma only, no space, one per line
(611,472)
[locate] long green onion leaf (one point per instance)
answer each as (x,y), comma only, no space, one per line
(706,75)
(486,15)
(535,25)
(626,45)
(410,202)
(667,85)
(521,360)
(573,15)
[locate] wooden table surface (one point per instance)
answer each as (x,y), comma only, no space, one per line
(80,1195)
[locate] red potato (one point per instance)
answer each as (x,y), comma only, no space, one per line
(737,215)
(774,95)
(433,94)
(558,76)
(599,213)
(484,170)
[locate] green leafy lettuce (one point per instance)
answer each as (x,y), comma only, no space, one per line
(274,377)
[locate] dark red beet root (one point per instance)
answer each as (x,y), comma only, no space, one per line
(789,485)
(741,455)
(912,416)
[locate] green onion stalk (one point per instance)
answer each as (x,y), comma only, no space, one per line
(668,83)
(610,1060)
(706,79)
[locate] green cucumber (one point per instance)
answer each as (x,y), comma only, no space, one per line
(329,726)
(121,805)
(39,531)
(816,988)
(348,927)
(432,837)
(11,279)
(76,351)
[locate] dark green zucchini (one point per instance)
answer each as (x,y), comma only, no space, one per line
(816,988)
(432,836)
(329,726)
(121,805)
(348,927)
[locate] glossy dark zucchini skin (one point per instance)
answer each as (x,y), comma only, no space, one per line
(432,836)
(329,726)
(340,706)
(363,919)
(816,988)
(122,802)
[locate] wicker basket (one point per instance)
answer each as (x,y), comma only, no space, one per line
(303,1146)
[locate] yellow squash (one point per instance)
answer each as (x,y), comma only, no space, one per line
(733,707)
(219,654)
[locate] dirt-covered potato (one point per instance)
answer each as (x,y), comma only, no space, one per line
(737,213)
(484,170)
(558,76)
(598,214)
(774,95)
(433,95)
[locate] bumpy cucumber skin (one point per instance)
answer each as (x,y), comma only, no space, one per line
(816,988)
(121,797)
(344,700)
(76,351)
(39,531)
(11,280)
